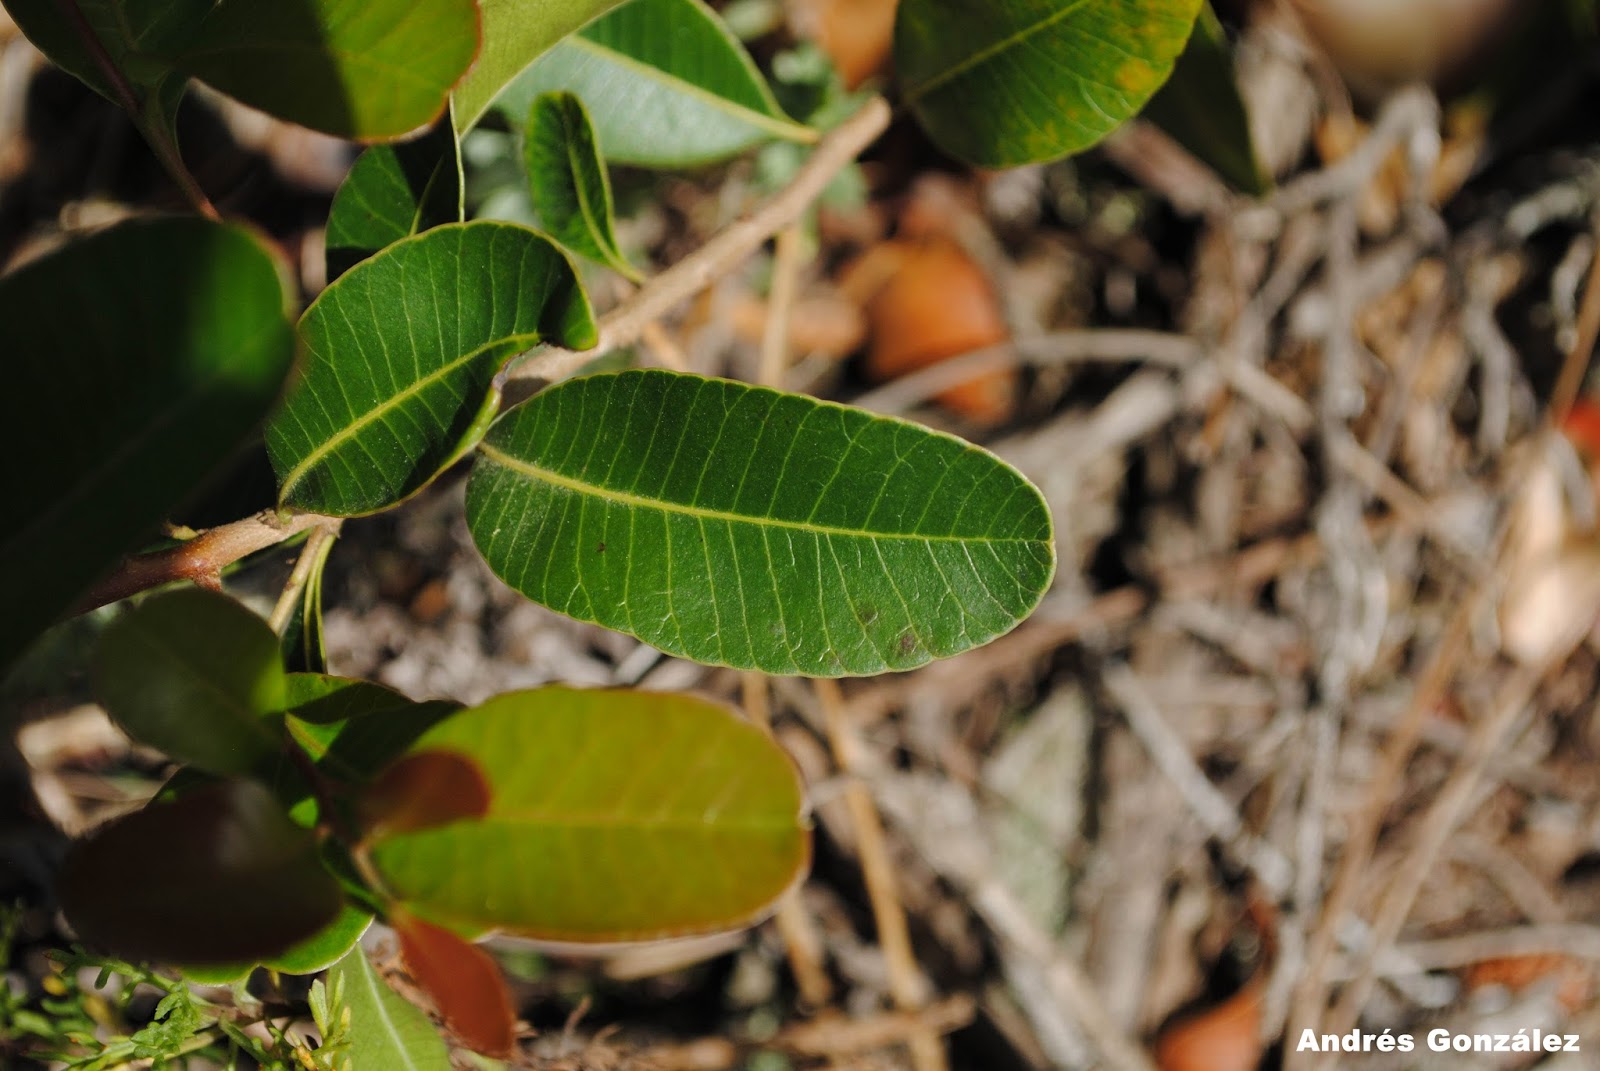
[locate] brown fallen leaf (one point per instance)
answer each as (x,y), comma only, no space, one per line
(1224,1038)
(926,301)
(462,980)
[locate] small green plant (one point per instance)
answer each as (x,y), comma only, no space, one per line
(719,521)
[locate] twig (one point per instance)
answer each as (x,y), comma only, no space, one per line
(1219,817)
(1448,809)
(693,273)
(1062,347)
(905,978)
(780,307)
(202,558)
(1576,364)
(1577,940)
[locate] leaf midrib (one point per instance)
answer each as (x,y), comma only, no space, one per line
(914,93)
(786,129)
(627,498)
(523,341)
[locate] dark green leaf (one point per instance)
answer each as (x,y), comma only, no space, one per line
(515,33)
(571,190)
(401,354)
(134,34)
(194,674)
(1201,108)
(385,1030)
(614,816)
(665,83)
(218,876)
(1000,83)
(170,337)
(393,192)
(739,526)
(350,68)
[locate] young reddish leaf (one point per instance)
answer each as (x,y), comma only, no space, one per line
(422,790)
(218,876)
(614,816)
(464,982)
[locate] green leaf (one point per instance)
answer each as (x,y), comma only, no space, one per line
(665,83)
(739,526)
(385,1030)
(515,33)
(134,35)
(1000,83)
(401,356)
(171,338)
(367,69)
(614,816)
(217,876)
(1201,108)
(571,190)
(195,675)
(354,727)
(393,192)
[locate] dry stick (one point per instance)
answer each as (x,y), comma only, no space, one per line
(1060,347)
(1577,362)
(202,558)
(149,125)
(716,258)
(780,306)
(1311,995)
(1449,808)
(889,916)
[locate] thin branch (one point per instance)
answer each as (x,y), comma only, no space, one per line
(624,324)
(202,558)
(315,552)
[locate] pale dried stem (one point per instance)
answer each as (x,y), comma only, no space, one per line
(905,977)
(623,325)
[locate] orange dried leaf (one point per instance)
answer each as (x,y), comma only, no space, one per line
(858,35)
(423,790)
(1224,1038)
(938,305)
(463,982)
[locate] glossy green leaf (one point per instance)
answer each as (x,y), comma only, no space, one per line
(1201,108)
(571,190)
(666,85)
(614,816)
(739,526)
(393,192)
(401,354)
(170,338)
(135,35)
(350,68)
(1000,83)
(385,1030)
(515,33)
(247,884)
(194,674)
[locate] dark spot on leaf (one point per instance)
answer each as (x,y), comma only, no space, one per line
(600,549)
(867,614)
(907,643)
